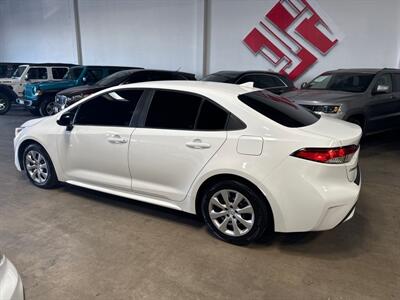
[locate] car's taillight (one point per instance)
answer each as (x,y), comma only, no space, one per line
(338,155)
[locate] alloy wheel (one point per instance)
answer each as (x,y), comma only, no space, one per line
(231,213)
(3,104)
(36,166)
(50,109)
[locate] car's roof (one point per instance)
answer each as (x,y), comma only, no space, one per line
(200,87)
(117,67)
(361,70)
(234,74)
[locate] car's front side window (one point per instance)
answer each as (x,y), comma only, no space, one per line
(37,73)
(59,73)
(110,109)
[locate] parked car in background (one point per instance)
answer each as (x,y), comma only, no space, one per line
(34,73)
(13,87)
(369,98)
(203,148)
(10,281)
(69,96)
(271,81)
(39,97)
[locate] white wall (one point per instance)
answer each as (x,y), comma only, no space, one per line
(169,33)
(37,31)
(145,33)
(369,30)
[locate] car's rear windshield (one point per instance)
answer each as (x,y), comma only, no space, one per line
(279,109)
(346,82)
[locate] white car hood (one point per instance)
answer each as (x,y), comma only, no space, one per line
(33,122)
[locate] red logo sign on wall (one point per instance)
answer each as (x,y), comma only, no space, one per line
(284,35)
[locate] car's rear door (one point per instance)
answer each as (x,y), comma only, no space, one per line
(95,151)
(178,137)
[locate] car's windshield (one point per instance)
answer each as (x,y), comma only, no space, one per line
(346,82)
(18,72)
(73,73)
(114,79)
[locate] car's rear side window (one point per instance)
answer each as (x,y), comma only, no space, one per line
(279,109)
(173,110)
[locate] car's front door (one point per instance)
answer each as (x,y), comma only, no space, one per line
(95,151)
(382,107)
(179,136)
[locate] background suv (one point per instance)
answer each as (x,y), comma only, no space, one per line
(367,97)
(12,87)
(271,81)
(39,97)
(69,96)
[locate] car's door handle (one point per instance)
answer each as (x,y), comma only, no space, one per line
(117,139)
(197,144)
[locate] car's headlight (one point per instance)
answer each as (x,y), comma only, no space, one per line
(18,130)
(36,91)
(326,109)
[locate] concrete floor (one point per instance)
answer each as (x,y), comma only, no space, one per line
(72,243)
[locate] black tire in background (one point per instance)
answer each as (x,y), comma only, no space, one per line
(259,215)
(7,97)
(39,167)
(46,107)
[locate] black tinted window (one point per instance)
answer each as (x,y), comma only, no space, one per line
(37,73)
(262,81)
(113,109)
(93,75)
(173,110)
(279,109)
(59,73)
(396,82)
(211,117)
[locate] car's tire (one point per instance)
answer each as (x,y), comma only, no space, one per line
(39,167)
(238,222)
(46,108)
(5,103)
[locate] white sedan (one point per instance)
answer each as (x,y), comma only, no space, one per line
(246,160)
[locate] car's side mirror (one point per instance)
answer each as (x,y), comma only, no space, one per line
(304,85)
(84,79)
(66,120)
(381,89)
(26,77)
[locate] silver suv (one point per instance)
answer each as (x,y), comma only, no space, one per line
(367,97)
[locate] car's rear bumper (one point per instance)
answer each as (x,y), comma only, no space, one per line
(316,197)
(11,287)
